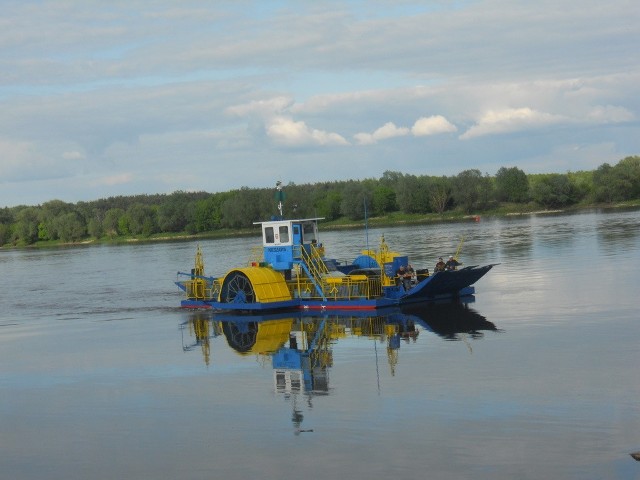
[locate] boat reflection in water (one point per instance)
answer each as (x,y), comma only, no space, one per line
(299,343)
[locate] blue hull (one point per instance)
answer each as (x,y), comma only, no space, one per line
(440,286)
(445,284)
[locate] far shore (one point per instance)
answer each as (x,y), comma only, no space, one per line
(342,224)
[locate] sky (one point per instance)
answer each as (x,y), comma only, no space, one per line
(109,98)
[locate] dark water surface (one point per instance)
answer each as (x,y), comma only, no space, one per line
(103,377)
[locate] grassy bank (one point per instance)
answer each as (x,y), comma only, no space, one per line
(393,219)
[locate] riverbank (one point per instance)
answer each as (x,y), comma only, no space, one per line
(393,219)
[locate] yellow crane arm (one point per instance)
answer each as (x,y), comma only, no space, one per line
(459,248)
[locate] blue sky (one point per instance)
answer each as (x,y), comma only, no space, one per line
(99,99)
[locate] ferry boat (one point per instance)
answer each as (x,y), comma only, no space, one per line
(294,273)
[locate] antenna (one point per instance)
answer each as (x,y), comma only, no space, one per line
(279,197)
(366,223)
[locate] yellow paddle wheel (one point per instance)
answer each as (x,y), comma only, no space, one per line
(254,285)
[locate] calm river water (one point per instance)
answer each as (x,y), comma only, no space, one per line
(104,377)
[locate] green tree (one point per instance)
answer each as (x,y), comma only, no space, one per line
(6,216)
(553,190)
(111,221)
(94,228)
(124,223)
(70,227)
(423,194)
(50,212)
(5,233)
(628,170)
(384,200)
(512,185)
(412,194)
(26,227)
(176,212)
(605,184)
(43,230)
(208,212)
(242,208)
(7,221)
(582,182)
(142,219)
(390,179)
(617,183)
(440,194)
(471,190)
(354,197)
(327,203)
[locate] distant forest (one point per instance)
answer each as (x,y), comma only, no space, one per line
(394,194)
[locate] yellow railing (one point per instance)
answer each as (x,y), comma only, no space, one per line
(195,289)
(312,286)
(346,287)
(315,263)
(201,289)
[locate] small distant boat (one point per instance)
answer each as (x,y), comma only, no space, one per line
(293,273)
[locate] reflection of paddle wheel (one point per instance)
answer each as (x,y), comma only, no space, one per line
(241,337)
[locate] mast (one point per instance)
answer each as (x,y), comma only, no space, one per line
(279,197)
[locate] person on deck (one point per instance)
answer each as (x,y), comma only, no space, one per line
(400,275)
(440,266)
(452,263)
(403,277)
(411,273)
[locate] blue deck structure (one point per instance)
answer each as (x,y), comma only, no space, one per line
(294,273)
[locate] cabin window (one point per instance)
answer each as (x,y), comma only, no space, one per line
(268,235)
(308,232)
(284,234)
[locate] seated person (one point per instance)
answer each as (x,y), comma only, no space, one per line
(409,276)
(440,266)
(403,277)
(452,263)
(399,275)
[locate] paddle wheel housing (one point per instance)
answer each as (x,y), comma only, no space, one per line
(254,285)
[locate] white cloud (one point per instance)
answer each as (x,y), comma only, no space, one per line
(525,118)
(261,108)
(510,120)
(422,127)
(432,126)
(274,113)
(285,131)
(610,114)
(388,130)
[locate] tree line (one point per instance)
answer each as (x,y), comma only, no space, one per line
(180,212)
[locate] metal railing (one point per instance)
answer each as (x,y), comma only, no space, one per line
(202,288)
(347,287)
